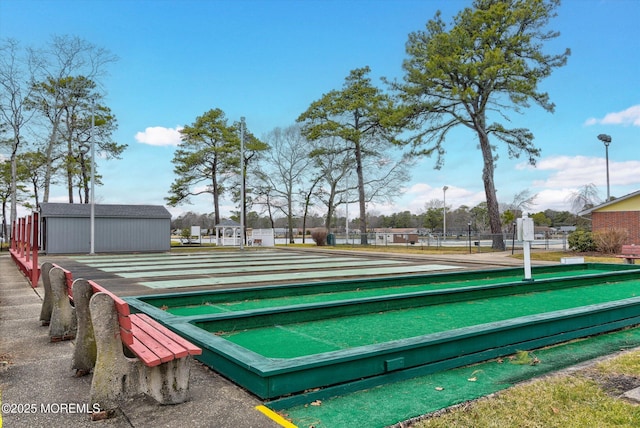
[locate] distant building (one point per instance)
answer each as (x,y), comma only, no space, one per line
(66,228)
(621,213)
(395,235)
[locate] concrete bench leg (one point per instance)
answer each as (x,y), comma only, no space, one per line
(63,316)
(47,302)
(115,376)
(168,383)
(84,353)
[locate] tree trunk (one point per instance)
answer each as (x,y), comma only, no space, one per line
(330,207)
(216,202)
(490,192)
(14,178)
(290,220)
(361,196)
(49,154)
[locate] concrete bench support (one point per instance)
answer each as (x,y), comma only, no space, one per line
(111,342)
(47,302)
(57,311)
(84,353)
(117,376)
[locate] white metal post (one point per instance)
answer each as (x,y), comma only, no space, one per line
(93,174)
(242,183)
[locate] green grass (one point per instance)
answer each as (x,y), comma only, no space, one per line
(584,398)
(562,401)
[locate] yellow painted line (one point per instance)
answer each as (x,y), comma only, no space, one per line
(275,417)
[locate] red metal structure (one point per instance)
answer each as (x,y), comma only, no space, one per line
(24,247)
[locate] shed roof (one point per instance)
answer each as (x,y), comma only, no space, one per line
(50,209)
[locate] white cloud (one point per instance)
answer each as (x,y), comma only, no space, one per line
(630,116)
(576,171)
(160,136)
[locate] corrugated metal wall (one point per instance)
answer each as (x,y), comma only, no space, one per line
(72,235)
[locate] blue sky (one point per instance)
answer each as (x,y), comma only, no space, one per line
(268,60)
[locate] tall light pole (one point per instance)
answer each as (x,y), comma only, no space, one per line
(444,213)
(606,139)
(242,219)
(93,179)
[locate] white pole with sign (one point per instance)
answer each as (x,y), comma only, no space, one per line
(526,235)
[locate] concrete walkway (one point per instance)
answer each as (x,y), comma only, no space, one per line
(37,383)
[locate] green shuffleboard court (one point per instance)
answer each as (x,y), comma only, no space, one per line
(286,339)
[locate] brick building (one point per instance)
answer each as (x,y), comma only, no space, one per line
(621,213)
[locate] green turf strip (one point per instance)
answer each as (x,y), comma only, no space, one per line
(392,403)
(295,340)
(244,305)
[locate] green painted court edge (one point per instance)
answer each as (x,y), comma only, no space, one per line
(377,405)
(281,316)
(270,378)
(395,296)
(317,287)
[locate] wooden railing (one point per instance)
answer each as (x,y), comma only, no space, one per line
(24,246)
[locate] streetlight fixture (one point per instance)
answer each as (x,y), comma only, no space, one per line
(606,139)
(444,212)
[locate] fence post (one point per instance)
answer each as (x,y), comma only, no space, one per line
(13,235)
(35,272)
(21,237)
(28,237)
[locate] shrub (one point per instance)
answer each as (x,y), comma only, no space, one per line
(581,241)
(319,237)
(185,233)
(610,240)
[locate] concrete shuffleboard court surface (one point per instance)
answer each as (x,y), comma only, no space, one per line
(226,268)
(286,339)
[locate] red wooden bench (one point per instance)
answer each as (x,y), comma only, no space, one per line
(128,353)
(146,338)
(630,253)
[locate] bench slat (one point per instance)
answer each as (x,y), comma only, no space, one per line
(126,334)
(150,341)
(145,354)
(162,352)
(176,350)
(188,346)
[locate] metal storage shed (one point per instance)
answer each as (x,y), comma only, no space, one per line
(66,228)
